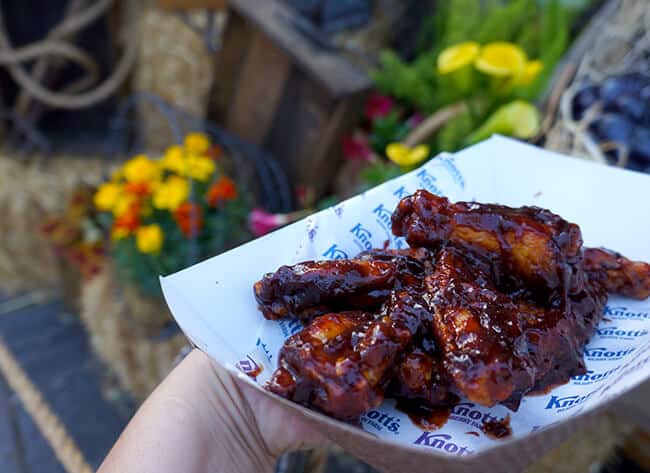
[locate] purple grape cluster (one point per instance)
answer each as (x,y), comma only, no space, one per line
(625,119)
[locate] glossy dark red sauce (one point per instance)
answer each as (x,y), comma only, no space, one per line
(425,416)
(497,429)
(489,303)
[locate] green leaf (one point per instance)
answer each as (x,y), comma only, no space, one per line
(501,23)
(378,173)
(463,18)
(386,130)
(555,39)
(453,133)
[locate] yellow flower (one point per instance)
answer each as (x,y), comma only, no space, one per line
(189,164)
(149,238)
(404,156)
(141,169)
(173,160)
(171,193)
(501,60)
(530,73)
(123,204)
(200,168)
(107,196)
(458,56)
(197,143)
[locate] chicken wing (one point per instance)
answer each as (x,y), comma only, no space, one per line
(318,367)
(618,274)
(531,249)
(340,364)
(421,376)
(313,288)
(293,290)
(495,347)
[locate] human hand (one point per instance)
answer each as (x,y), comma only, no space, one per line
(202,419)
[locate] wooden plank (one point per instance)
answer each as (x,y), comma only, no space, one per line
(228,65)
(327,152)
(192,4)
(306,136)
(335,73)
(302,115)
(260,86)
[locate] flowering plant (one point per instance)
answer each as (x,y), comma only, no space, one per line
(75,234)
(164,214)
(477,68)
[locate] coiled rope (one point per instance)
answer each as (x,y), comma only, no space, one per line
(56,44)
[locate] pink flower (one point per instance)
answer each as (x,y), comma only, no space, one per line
(378,106)
(261,222)
(356,147)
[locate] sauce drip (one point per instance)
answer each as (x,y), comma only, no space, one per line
(497,429)
(424,416)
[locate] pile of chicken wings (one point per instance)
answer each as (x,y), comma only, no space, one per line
(488,303)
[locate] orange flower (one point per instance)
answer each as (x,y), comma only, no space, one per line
(189,218)
(222,190)
(127,223)
(139,189)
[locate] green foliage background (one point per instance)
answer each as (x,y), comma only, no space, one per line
(223,228)
(540,27)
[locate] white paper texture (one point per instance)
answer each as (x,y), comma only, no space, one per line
(214,305)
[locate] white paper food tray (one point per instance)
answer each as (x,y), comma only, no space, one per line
(213,301)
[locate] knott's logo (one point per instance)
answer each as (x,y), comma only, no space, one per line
(466,413)
(623,313)
(334,252)
(380,421)
(290,327)
(263,346)
(428,181)
(362,237)
(401,192)
(591,376)
(603,353)
(250,367)
(442,442)
(382,214)
(453,170)
(615,332)
(565,403)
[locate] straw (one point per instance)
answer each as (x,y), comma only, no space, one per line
(618,44)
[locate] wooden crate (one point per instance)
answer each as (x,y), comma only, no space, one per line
(285,91)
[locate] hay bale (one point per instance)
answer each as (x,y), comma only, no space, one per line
(30,192)
(615,42)
(175,64)
(120,322)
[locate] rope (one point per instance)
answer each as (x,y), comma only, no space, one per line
(42,66)
(48,46)
(64,447)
